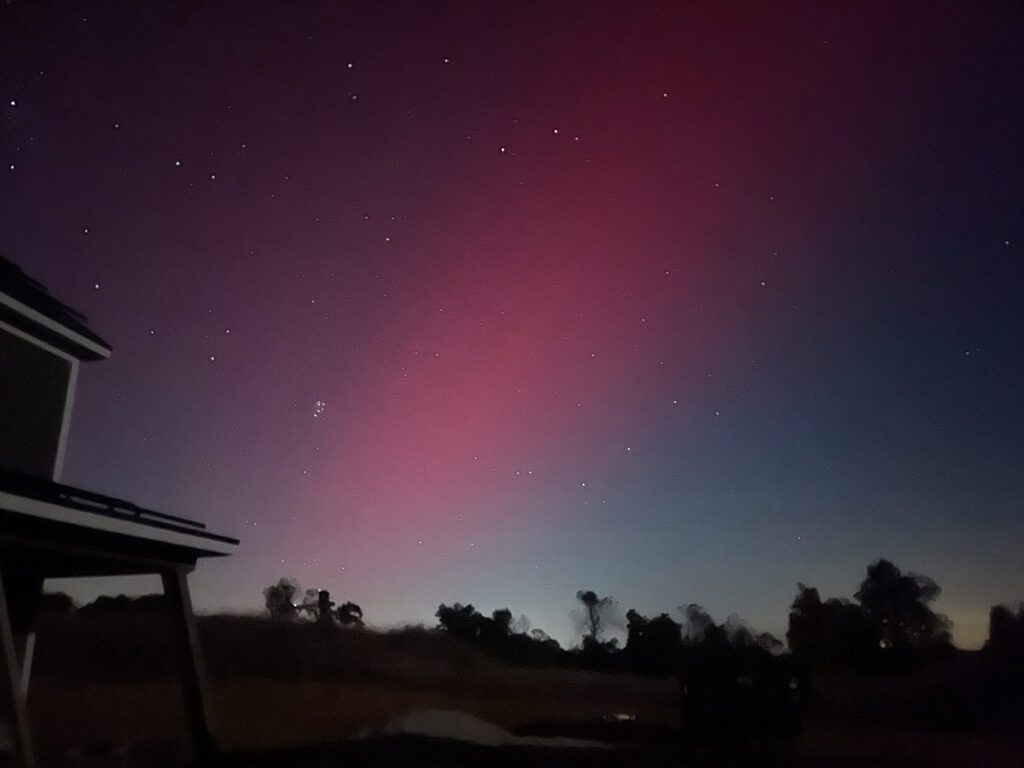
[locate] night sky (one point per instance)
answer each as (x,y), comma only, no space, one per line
(492,302)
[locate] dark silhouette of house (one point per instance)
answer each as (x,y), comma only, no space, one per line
(51,530)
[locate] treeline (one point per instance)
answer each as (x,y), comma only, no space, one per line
(736,683)
(655,646)
(889,623)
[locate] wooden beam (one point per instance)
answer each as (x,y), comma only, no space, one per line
(193,671)
(11,680)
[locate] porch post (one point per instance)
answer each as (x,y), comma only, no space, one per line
(11,680)
(193,671)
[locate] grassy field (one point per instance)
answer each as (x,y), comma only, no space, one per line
(103,694)
(100,687)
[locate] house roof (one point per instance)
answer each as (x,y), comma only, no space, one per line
(63,506)
(26,304)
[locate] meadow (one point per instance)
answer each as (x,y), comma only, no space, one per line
(103,694)
(107,686)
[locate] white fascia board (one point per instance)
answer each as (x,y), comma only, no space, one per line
(47,511)
(51,324)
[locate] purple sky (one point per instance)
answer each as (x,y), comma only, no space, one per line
(491,303)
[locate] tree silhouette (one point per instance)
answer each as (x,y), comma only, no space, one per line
(497,635)
(458,620)
(897,606)
(893,614)
(806,634)
(350,615)
(697,622)
(770,643)
(280,599)
(502,619)
(1006,630)
(310,604)
(598,612)
(831,632)
(1004,681)
(636,625)
(653,645)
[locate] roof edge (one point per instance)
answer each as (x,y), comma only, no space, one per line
(83,347)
